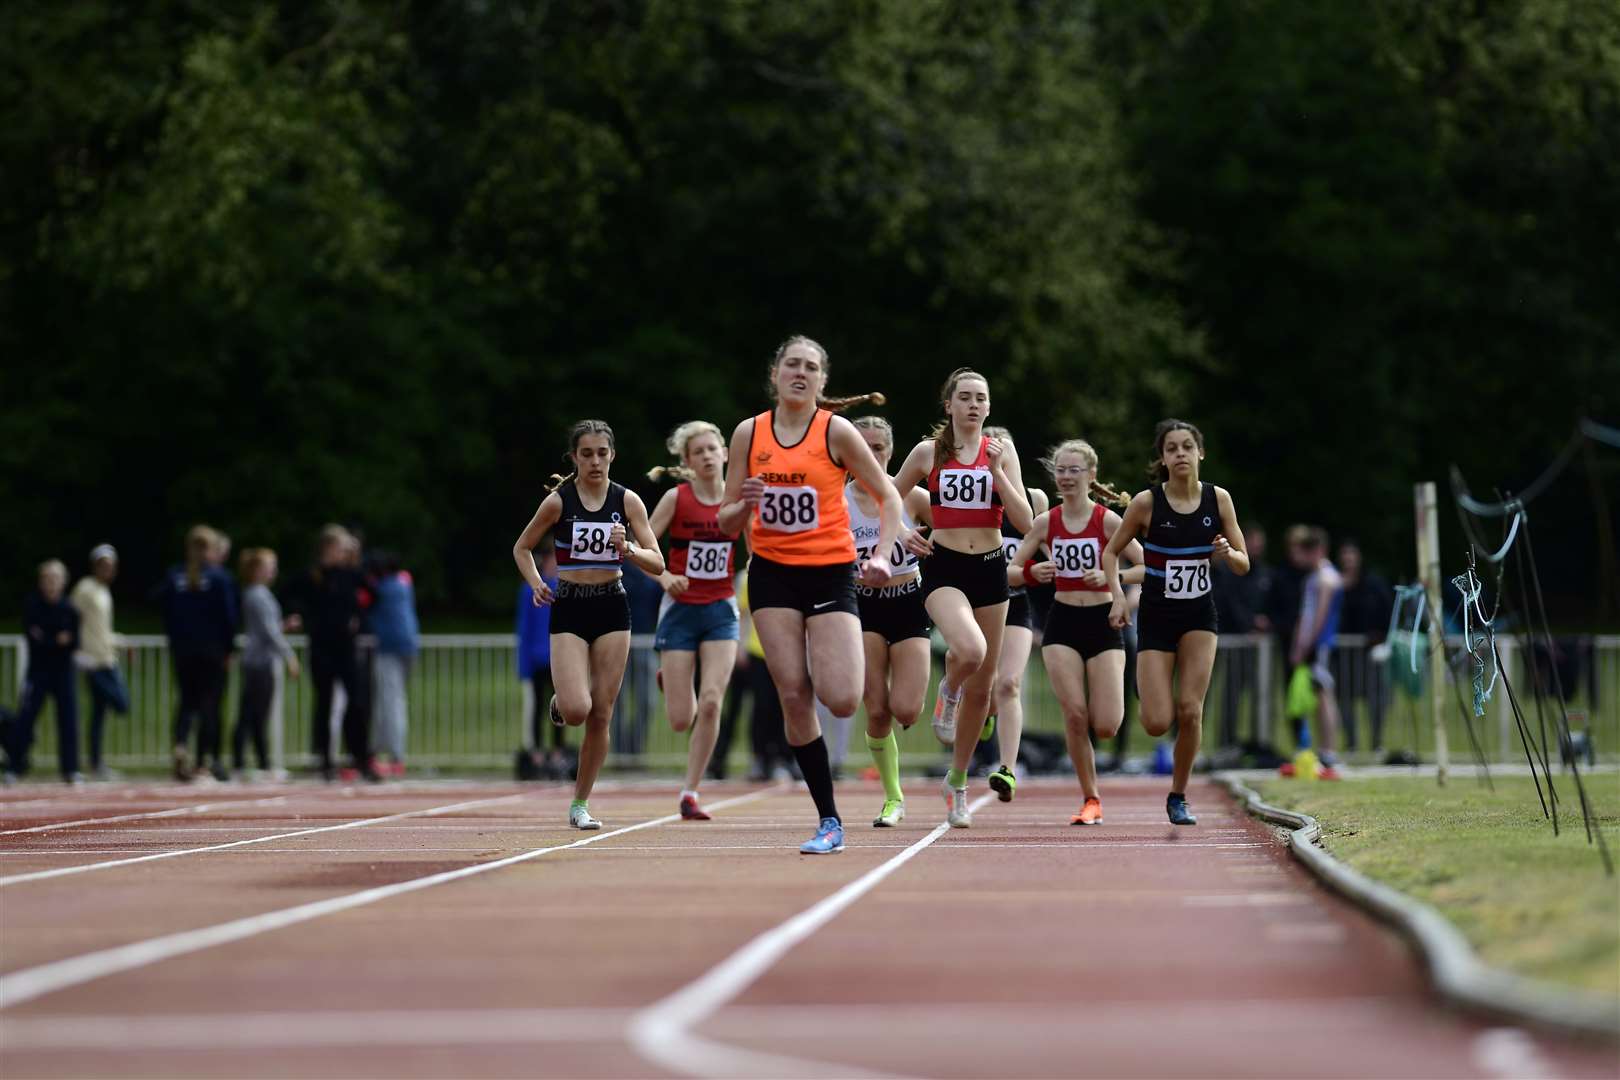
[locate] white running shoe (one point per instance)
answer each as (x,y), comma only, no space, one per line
(580,818)
(956,807)
(892,814)
(944,719)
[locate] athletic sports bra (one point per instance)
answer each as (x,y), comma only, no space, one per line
(581,535)
(865,530)
(700,550)
(1074,553)
(802,518)
(965,496)
(1178,546)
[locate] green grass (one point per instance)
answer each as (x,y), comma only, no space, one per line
(1527,900)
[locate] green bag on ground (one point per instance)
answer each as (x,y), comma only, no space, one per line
(1402,644)
(1301,694)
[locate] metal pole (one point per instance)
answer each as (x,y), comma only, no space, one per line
(1428,556)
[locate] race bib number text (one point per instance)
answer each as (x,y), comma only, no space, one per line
(708,560)
(1074,558)
(592,541)
(789,509)
(965,489)
(1185,579)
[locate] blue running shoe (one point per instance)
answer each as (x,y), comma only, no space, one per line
(1176,807)
(829,839)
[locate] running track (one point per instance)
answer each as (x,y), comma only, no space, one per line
(303,930)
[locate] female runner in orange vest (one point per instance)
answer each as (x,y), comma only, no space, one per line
(971,480)
(599,524)
(787,481)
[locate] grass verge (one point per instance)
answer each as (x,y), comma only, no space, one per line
(1528,901)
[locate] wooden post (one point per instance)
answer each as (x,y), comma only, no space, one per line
(1428,556)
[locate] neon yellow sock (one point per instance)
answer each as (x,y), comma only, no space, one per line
(886,755)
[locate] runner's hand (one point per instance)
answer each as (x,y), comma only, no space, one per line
(753,490)
(619,539)
(543,595)
(675,584)
(1094,578)
(877,572)
(1041,573)
(1118,615)
(1221,547)
(918,543)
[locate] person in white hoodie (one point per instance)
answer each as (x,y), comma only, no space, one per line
(98,651)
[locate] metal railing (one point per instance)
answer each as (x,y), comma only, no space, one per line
(468,709)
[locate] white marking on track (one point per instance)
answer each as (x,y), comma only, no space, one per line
(662,1032)
(178,811)
(84,868)
(1323,933)
(1247,899)
(331,1028)
(30,983)
(1510,1053)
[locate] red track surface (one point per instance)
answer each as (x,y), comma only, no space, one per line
(1021,947)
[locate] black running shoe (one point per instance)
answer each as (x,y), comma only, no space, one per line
(1176,807)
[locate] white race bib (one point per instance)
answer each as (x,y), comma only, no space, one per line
(965,489)
(789,509)
(708,560)
(899,558)
(1009,548)
(1185,579)
(592,542)
(1074,557)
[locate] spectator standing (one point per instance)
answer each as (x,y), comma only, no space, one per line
(265,649)
(1368,602)
(534,670)
(329,601)
(1241,607)
(98,651)
(52,628)
(394,622)
(199,616)
(631,717)
(1320,601)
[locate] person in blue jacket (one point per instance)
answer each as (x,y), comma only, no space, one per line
(534,668)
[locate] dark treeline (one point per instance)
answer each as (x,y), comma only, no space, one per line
(267,265)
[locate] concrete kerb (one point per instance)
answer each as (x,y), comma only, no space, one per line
(1456,972)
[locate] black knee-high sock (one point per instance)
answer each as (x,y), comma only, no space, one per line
(813,763)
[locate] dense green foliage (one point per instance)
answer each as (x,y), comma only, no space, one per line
(271,264)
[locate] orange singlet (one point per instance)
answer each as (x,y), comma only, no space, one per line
(802,519)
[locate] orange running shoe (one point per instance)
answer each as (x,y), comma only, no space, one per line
(1090,813)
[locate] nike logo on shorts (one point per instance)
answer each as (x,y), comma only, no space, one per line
(818,607)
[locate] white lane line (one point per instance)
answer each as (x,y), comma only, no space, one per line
(1016,1024)
(273,1030)
(977,845)
(1510,1053)
(30,983)
(662,1032)
(84,868)
(178,811)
